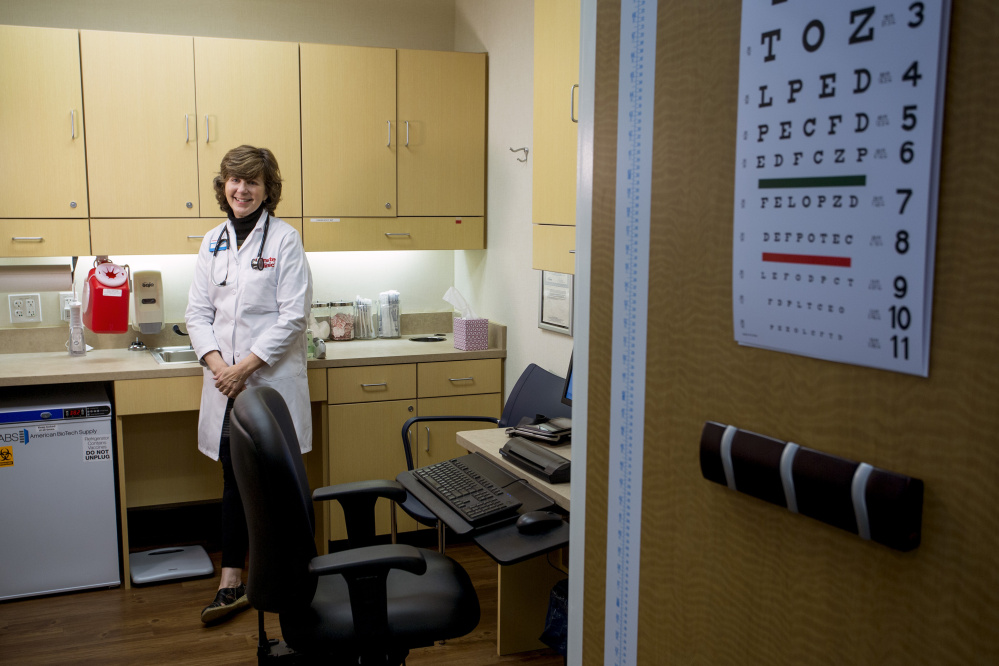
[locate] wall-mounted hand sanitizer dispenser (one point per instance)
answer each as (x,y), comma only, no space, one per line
(147,296)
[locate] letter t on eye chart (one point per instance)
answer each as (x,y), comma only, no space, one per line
(836,179)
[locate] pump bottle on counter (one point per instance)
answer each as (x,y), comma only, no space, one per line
(77,346)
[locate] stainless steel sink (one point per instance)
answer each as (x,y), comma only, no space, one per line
(174,354)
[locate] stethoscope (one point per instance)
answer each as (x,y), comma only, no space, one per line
(257,263)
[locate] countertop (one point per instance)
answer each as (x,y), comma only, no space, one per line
(115,364)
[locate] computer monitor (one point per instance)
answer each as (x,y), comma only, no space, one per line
(567,387)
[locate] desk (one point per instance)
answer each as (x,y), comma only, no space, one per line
(523,588)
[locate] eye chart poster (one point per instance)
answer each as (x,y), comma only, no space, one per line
(837,171)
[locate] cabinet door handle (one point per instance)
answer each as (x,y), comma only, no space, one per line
(427,449)
(27,239)
(187,128)
(572,103)
(389,233)
(461,379)
(407,133)
(72,123)
(208,135)
(195,237)
(389,144)
(370,385)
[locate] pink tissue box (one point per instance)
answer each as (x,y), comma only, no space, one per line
(471,334)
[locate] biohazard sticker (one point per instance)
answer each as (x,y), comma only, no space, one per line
(96,448)
(6,456)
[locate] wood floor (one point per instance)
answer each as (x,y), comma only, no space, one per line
(159,624)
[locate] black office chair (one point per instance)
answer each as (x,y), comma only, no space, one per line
(537,391)
(366,605)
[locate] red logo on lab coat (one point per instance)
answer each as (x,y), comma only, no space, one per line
(269,262)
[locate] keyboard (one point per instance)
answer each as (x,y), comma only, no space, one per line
(471,495)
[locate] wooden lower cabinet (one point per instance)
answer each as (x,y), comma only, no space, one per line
(366,443)
(365,432)
(436,439)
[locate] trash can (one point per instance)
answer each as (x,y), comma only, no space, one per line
(556,630)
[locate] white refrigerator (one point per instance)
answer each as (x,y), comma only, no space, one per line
(58,512)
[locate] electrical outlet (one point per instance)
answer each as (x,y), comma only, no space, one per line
(65,298)
(25,308)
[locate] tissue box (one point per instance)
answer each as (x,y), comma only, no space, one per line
(471,334)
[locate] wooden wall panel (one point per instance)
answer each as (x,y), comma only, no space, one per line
(725,578)
(602,293)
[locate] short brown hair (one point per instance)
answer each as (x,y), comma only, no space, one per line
(247,162)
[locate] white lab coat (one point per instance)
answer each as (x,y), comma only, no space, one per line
(263,312)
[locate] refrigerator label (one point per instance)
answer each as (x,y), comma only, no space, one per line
(96,448)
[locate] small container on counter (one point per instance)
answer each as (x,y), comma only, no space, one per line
(365,320)
(341,320)
(321,315)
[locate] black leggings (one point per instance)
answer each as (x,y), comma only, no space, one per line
(234,536)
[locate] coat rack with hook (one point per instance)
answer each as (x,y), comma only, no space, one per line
(517,150)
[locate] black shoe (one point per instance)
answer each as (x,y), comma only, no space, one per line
(228,601)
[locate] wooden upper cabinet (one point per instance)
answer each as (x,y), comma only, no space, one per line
(43,168)
(349,131)
(442,133)
(142,130)
(556,73)
(248,93)
(554,248)
(389,133)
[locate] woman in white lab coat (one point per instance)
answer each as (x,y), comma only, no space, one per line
(247,314)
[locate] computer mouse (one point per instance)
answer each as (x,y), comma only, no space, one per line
(538,522)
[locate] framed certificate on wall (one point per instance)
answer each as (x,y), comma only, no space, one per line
(555,302)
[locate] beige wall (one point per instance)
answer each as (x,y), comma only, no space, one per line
(499,282)
(414,24)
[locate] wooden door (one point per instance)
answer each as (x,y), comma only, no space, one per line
(436,439)
(556,72)
(729,579)
(442,133)
(349,133)
(142,158)
(247,93)
(44,170)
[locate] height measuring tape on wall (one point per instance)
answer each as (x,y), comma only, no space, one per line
(636,93)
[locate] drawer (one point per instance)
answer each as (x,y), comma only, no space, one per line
(371,382)
(317,385)
(44,238)
(394,233)
(154,396)
(460,377)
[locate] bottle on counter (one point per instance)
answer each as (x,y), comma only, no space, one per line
(77,346)
(310,351)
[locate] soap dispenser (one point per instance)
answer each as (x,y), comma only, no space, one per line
(147,293)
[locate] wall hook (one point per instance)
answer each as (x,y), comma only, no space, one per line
(517,150)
